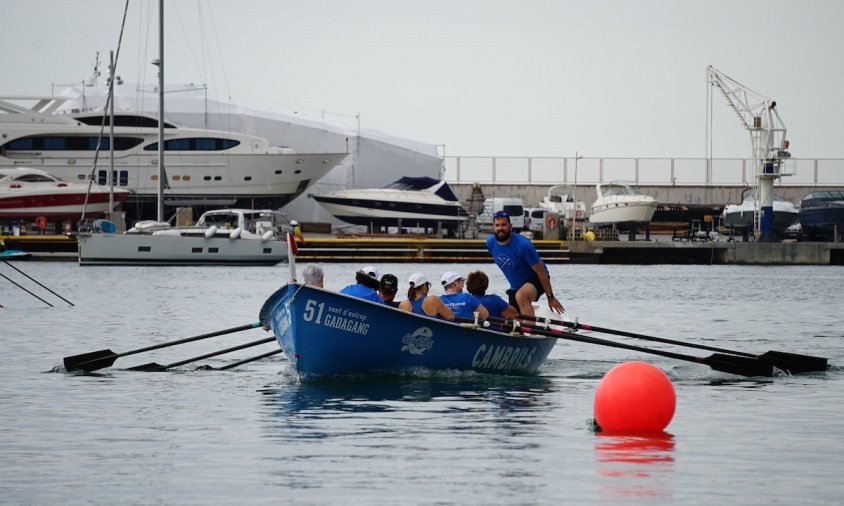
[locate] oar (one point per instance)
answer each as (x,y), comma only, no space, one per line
(37,283)
(247,360)
(732,364)
(152,366)
(25,290)
(788,362)
(104,358)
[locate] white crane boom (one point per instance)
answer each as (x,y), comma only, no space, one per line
(759,116)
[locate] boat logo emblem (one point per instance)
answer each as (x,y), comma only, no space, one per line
(418,342)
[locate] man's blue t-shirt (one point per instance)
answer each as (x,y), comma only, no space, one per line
(494,304)
(461,304)
(515,259)
(362,292)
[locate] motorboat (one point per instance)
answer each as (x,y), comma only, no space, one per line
(620,206)
(821,212)
(411,202)
(560,200)
(325,333)
(219,237)
(27,193)
(740,216)
(206,169)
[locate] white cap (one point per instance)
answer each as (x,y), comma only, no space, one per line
(450,277)
(417,279)
(370,271)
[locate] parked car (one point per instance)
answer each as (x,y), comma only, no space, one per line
(535,221)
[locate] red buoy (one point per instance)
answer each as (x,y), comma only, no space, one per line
(634,397)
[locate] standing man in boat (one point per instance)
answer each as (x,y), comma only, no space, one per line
(521,265)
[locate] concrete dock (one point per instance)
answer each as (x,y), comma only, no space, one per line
(422,249)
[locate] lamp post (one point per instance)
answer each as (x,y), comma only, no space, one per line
(574,195)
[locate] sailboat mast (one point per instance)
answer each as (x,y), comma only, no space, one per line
(111,138)
(161,110)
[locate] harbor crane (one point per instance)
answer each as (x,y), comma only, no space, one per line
(759,116)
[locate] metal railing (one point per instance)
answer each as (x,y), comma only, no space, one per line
(639,171)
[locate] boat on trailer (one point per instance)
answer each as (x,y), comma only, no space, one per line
(325,333)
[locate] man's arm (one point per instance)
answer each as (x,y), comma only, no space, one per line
(545,281)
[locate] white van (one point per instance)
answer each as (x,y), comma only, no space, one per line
(513,207)
(535,221)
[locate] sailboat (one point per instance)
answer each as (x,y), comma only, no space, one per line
(221,237)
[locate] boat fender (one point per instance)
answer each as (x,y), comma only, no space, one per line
(211,232)
(267,236)
(551,222)
(235,233)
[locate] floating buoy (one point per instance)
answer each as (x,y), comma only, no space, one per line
(634,397)
(589,236)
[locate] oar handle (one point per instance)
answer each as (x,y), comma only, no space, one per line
(191,339)
(624,333)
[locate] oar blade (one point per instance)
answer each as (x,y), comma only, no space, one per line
(794,362)
(91,361)
(741,366)
(150,367)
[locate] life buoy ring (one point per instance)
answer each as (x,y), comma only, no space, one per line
(579,214)
(551,222)
(41,222)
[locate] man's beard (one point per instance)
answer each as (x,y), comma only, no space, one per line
(503,235)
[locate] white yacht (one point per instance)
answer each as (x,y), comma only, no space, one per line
(412,202)
(204,168)
(621,206)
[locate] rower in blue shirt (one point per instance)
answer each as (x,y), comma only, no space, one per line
(461,304)
(365,286)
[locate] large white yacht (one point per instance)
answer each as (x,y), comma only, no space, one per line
(204,168)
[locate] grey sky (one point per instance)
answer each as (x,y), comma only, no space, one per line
(484,77)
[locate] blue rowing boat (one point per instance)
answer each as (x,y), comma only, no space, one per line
(325,333)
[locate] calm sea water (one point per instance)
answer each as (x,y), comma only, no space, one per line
(253,435)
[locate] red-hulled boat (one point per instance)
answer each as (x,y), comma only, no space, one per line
(26,193)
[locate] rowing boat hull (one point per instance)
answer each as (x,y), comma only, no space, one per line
(325,333)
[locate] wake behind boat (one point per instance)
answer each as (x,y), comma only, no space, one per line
(420,202)
(324,333)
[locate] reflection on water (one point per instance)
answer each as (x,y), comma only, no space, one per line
(394,392)
(462,401)
(637,465)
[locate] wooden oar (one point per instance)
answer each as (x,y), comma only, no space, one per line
(732,364)
(788,362)
(95,360)
(152,366)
